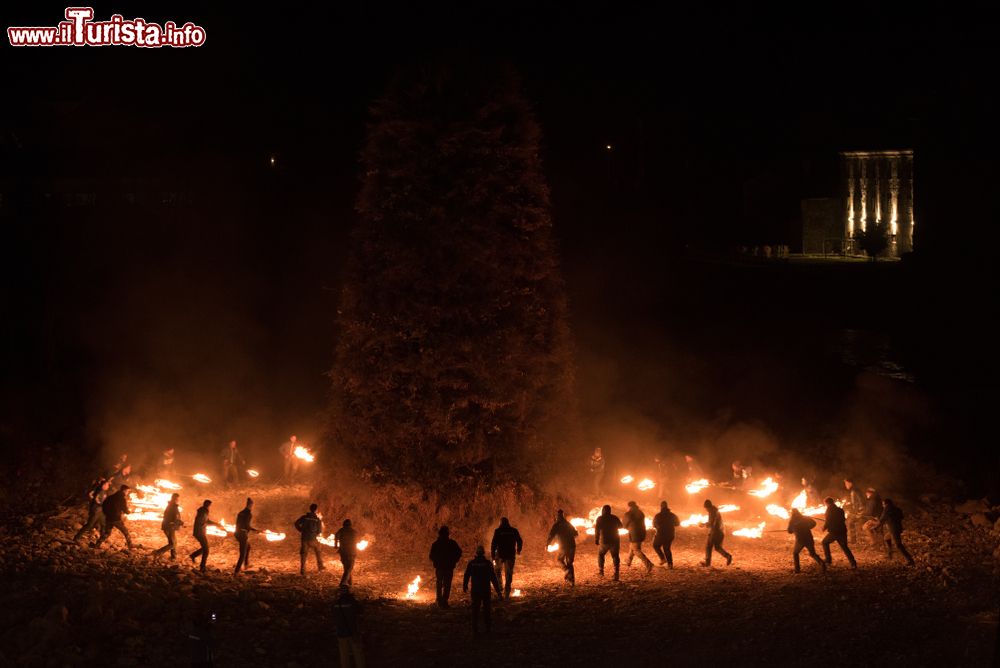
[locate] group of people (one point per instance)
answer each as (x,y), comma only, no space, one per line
(234,464)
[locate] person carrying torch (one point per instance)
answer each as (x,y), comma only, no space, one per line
(200,534)
(309,526)
(171,523)
(115,507)
(716,534)
(565,533)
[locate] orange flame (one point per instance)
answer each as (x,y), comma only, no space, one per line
(166,484)
(696,486)
(213,530)
(646,484)
(201,477)
(777,511)
(411,589)
(253,473)
(694,520)
(552,548)
(627,479)
(751,532)
(273,535)
(303,453)
(728,508)
(766,489)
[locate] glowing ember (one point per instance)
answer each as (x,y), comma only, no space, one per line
(516,593)
(623,532)
(201,477)
(166,484)
(303,453)
(329,541)
(361,545)
(694,520)
(627,479)
(253,473)
(578,522)
(213,530)
(728,508)
(767,488)
(231,528)
(648,522)
(696,486)
(813,510)
(777,511)
(145,516)
(411,589)
(552,548)
(751,532)
(645,484)
(273,535)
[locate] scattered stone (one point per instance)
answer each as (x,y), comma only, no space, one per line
(972,506)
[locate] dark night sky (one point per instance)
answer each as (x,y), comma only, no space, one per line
(236,288)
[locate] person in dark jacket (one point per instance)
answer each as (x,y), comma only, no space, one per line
(309,526)
(892,520)
(445,555)
(346,541)
(170,524)
(243,528)
(606,537)
(347,614)
(504,548)
(836,532)
(481,574)
(872,512)
(201,523)
(115,507)
(801,527)
(665,523)
(635,523)
(716,534)
(95,515)
(565,533)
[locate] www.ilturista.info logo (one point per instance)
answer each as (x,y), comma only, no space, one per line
(79,29)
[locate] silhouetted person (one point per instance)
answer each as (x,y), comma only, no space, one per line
(170,524)
(892,520)
(310,527)
(606,537)
(836,532)
(565,533)
(504,548)
(232,464)
(115,507)
(445,555)
(201,523)
(716,534)
(244,526)
(95,515)
(291,462)
(481,574)
(635,523)
(801,527)
(873,511)
(347,616)
(597,466)
(346,540)
(665,523)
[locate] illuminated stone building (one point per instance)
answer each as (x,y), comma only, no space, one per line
(878,190)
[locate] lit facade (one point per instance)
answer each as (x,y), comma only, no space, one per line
(878,190)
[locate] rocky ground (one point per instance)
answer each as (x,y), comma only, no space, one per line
(64,604)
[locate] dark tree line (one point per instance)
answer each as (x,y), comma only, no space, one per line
(454,358)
